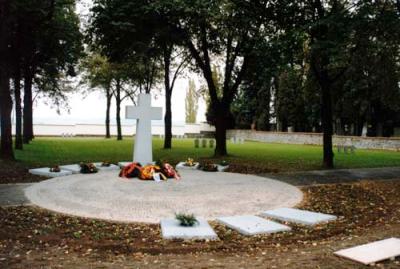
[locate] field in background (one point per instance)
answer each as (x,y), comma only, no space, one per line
(256,156)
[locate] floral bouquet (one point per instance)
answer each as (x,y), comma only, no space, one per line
(208,167)
(88,168)
(105,164)
(189,162)
(55,169)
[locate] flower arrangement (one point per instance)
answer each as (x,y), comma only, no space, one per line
(105,164)
(189,162)
(186,220)
(208,167)
(55,169)
(88,168)
(224,163)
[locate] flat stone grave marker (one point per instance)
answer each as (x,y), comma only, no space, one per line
(371,253)
(106,168)
(182,165)
(252,225)
(298,216)
(171,229)
(74,168)
(123,164)
(45,171)
(222,168)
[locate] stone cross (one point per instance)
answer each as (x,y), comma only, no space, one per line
(144,113)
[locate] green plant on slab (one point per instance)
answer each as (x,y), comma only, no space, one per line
(187,220)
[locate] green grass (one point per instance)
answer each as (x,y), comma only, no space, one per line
(258,156)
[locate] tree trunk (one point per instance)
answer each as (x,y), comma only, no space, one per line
(168,122)
(326,119)
(118,116)
(109,96)
(18,110)
(168,94)
(221,124)
(220,137)
(6,151)
(28,107)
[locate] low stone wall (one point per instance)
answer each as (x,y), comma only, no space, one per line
(316,139)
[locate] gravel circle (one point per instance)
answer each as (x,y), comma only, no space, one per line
(206,194)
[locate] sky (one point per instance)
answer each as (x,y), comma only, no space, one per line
(91,108)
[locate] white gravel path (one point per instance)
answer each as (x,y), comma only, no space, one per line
(206,194)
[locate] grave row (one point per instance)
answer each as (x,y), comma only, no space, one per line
(367,254)
(246,224)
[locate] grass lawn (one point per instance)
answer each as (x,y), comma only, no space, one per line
(255,156)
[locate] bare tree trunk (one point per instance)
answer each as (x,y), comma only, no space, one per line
(6,151)
(326,119)
(221,126)
(28,107)
(18,110)
(118,116)
(168,95)
(109,96)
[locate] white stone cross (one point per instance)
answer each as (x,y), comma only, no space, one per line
(144,113)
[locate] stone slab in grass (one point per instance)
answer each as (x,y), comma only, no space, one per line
(123,164)
(45,171)
(298,216)
(252,225)
(171,229)
(182,165)
(372,253)
(74,168)
(107,168)
(222,168)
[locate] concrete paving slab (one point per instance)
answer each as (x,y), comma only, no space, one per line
(170,229)
(74,168)
(222,168)
(298,216)
(182,165)
(45,172)
(252,225)
(112,167)
(123,164)
(374,252)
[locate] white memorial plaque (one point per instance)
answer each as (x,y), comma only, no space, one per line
(372,252)
(171,229)
(45,172)
(74,168)
(298,216)
(252,225)
(106,168)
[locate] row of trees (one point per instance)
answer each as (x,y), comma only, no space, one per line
(365,91)
(304,62)
(40,43)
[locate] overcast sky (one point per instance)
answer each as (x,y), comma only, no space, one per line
(91,108)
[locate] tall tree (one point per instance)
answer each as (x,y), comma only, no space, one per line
(6,150)
(50,47)
(191,102)
(98,74)
(181,61)
(219,31)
